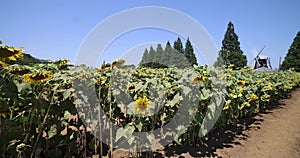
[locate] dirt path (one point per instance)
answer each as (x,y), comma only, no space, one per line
(274,134)
(278,136)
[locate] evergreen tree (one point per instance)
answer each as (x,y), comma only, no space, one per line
(231,52)
(158,54)
(178,46)
(145,58)
(151,54)
(167,55)
(189,53)
(292,58)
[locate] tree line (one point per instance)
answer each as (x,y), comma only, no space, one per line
(230,54)
(170,56)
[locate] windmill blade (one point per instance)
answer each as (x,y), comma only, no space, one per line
(254,53)
(261,50)
(257,54)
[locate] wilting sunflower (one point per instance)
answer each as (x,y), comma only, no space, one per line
(63,63)
(130,88)
(2,64)
(118,63)
(20,70)
(142,105)
(10,52)
(37,77)
(104,66)
(240,83)
(198,79)
(252,97)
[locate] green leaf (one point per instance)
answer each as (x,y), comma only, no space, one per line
(52,132)
(120,133)
(67,93)
(67,114)
(140,126)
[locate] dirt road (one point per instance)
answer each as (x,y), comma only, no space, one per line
(274,134)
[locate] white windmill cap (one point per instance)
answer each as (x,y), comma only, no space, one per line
(263,57)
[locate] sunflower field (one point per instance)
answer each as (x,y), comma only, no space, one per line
(58,110)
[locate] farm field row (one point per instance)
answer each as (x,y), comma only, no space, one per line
(38,102)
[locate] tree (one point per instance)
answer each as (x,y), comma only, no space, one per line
(231,52)
(158,54)
(167,55)
(178,46)
(292,58)
(146,57)
(151,54)
(189,53)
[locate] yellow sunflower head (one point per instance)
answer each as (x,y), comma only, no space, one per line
(130,88)
(63,62)
(118,63)
(10,52)
(240,83)
(2,64)
(37,77)
(142,105)
(198,79)
(252,97)
(104,66)
(19,70)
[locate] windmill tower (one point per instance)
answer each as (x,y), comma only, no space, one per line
(262,62)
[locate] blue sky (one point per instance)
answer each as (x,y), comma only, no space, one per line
(55,29)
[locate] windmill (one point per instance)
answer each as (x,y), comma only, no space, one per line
(262,63)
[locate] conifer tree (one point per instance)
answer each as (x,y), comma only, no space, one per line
(231,52)
(145,58)
(151,54)
(158,54)
(292,58)
(189,53)
(178,46)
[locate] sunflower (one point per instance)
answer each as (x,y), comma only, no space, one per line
(252,97)
(10,52)
(19,70)
(193,110)
(63,63)
(142,105)
(37,77)
(234,96)
(2,64)
(102,80)
(118,63)
(104,66)
(198,79)
(240,83)
(226,107)
(131,87)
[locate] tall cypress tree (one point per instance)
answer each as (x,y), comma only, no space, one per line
(178,46)
(145,58)
(151,54)
(167,55)
(231,52)
(189,53)
(158,54)
(292,58)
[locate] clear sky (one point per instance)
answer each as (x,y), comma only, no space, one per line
(55,29)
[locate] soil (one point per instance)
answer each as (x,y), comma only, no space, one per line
(274,133)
